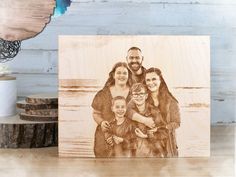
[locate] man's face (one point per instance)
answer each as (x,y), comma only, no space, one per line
(140,97)
(134,59)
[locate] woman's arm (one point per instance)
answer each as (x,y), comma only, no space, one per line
(97,116)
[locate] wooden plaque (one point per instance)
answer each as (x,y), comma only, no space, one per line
(25,18)
(84,66)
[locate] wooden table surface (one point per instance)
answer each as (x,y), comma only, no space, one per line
(45,162)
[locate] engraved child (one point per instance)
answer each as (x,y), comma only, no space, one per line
(150,142)
(120,136)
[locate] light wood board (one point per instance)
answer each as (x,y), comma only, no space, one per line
(84,64)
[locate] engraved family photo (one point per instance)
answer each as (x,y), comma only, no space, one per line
(134,96)
(135,112)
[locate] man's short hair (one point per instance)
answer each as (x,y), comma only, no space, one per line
(117,98)
(134,48)
(138,87)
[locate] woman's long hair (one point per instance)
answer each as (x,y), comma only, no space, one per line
(164,93)
(111,81)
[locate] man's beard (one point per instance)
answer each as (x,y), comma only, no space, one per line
(135,68)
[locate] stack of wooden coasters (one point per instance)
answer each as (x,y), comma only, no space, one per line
(35,127)
(41,107)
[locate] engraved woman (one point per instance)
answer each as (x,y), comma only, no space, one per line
(160,97)
(118,84)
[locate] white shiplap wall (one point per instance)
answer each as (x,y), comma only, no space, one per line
(36,64)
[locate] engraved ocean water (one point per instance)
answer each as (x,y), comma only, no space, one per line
(75,103)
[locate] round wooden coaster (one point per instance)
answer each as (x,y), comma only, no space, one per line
(17,133)
(43,112)
(46,98)
(5,78)
(30,106)
(29,117)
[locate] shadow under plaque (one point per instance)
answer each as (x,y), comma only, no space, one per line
(178,110)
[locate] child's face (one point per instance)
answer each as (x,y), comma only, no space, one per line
(140,97)
(119,108)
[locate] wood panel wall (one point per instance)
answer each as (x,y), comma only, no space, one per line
(36,65)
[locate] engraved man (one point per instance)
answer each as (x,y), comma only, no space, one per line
(134,59)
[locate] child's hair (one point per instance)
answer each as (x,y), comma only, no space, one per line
(138,87)
(117,98)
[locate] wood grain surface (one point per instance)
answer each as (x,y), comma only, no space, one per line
(46,98)
(24,19)
(38,118)
(17,133)
(43,112)
(30,106)
(185,65)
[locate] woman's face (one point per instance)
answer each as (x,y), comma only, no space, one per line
(121,75)
(152,81)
